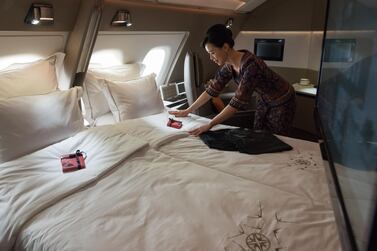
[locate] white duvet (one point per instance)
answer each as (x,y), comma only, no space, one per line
(150,189)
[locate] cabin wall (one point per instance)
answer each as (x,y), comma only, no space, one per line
(76,17)
(302,52)
(148,17)
(71,16)
(301,24)
(13,12)
(287,15)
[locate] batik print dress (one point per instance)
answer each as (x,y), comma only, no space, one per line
(276,103)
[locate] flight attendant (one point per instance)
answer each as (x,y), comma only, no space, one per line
(276,102)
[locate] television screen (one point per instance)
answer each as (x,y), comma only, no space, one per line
(269,49)
(339,50)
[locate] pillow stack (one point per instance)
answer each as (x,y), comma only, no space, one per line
(33,112)
(29,123)
(133,99)
(94,100)
(122,91)
(47,69)
(29,79)
(117,72)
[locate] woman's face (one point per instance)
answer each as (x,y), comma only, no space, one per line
(216,54)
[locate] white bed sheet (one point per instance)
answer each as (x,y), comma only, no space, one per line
(171,192)
(160,120)
(106,119)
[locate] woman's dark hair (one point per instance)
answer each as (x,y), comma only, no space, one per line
(218,35)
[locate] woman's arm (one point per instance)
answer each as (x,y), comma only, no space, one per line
(228,112)
(222,77)
(203,98)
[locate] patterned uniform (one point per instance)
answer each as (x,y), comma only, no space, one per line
(276,103)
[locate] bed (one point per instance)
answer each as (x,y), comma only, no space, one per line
(150,187)
(147,186)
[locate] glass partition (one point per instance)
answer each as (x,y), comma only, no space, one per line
(347,110)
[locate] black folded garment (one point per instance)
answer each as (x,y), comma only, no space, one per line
(244,141)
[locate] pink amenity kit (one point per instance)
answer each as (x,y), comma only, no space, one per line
(73,162)
(174,123)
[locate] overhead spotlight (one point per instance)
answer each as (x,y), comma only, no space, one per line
(229,23)
(40,14)
(122,18)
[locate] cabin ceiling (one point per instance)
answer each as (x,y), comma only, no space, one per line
(239,6)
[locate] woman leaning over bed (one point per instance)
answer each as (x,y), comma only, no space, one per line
(276,102)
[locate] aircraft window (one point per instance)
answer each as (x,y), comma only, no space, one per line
(155,60)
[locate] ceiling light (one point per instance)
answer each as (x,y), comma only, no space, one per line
(229,23)
(40,14)
(122,18)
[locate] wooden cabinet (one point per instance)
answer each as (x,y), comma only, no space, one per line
(304,119)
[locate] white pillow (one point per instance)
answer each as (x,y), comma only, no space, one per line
(29,79)
(59,64)
(123,72)
(30,123)
(95,103)
(133,99)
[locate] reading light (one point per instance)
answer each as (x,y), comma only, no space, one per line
(229,23)
(40,14)
(122,17)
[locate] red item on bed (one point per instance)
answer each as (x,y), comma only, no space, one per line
(174,123)
(73,162)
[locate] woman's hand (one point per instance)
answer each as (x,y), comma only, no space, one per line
(180,113)
(197,131)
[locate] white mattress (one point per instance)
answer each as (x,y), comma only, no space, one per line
(151,187)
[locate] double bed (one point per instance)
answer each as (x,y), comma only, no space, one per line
(150,187)
(146,186)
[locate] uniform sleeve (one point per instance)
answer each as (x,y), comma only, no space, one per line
(245,88)
(222,77)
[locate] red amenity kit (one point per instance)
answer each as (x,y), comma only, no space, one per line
(174,123)
(73,162)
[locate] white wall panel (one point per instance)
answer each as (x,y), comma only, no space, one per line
(314,59)
(25,46)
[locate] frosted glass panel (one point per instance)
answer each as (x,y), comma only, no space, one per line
(347,104)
